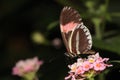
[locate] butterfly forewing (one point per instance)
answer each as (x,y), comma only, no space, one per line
(75,35)
(68,15)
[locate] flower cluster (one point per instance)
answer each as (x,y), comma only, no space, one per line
(87,68)
(27,67)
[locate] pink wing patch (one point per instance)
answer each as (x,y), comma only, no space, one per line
(68,27)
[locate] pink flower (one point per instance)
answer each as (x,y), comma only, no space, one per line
(25,66)
(79,70)
(73,77)
(94,57)
(73,67)
(69,76)
(16,71)
(80,62)
(98,66)
(87,66)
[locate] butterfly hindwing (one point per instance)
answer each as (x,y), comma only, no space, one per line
(81,39)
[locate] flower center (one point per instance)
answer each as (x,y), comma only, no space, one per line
(98,65)
(87,66)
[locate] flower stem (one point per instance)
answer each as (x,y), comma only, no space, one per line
(91,78)
(91,75)
(97,21)
(98,32)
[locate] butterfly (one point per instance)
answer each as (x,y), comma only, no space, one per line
(76,36)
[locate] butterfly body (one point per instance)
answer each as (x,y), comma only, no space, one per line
(76,35)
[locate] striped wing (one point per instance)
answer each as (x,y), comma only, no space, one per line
(76,35)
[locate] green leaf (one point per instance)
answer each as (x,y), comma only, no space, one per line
(116,61)
(115,14)
(108,17)
(96,21)
(89,4)
(102,8)
(29,76)
(111,44)
(52,25)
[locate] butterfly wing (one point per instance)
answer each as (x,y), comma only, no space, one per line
(76,36)
(81,39)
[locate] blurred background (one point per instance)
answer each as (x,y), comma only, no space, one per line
(30,28)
